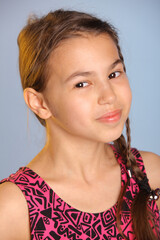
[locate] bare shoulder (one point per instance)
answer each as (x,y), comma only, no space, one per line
(152,166)
(14,220)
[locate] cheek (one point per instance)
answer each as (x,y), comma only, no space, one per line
(80,108)
(73,110)
(127,95)
(125,90)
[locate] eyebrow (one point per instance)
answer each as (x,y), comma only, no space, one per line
(91,73)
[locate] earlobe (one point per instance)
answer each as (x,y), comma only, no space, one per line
(35,101)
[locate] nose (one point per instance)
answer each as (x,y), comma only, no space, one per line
(106,94)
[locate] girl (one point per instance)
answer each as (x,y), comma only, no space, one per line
(80,186)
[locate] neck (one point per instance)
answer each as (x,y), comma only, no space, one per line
(76,157)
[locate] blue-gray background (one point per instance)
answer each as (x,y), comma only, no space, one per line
(138,22)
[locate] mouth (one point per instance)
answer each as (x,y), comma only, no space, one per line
(111,117)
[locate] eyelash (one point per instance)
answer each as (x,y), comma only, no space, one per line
(79,83)
(109,77)
(119,72)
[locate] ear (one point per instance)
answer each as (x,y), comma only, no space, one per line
(35,101)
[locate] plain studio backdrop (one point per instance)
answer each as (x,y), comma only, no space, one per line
(138,22)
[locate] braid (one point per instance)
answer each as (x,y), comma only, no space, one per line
(140,212)
(131,161)
(128,143)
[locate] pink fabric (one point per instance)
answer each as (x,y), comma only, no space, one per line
(52,218)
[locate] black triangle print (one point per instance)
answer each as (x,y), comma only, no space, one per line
(126,218)
(74,216)
(93,234)
(112,231)
(40,225)
(88,233)
(99,229)
(33,219)
(129,195)
(23,179)
(39,200)
(40,193)
(85,227)
(125,207)
(47,212)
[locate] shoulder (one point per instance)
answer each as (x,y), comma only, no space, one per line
(14,220)
(152,166)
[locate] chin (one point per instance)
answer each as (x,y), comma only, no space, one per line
(114,136)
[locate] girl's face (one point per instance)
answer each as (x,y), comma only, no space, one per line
(87,80)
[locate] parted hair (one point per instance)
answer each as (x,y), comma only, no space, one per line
(37,40)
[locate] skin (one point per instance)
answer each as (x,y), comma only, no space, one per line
(76,157)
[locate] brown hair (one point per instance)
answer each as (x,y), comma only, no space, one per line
(37,41)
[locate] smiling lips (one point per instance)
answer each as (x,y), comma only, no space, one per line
(111,117)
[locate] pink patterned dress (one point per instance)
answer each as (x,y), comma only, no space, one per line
(52,218)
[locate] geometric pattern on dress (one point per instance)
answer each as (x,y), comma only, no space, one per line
(51,218)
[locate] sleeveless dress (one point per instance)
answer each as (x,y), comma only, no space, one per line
(52,218)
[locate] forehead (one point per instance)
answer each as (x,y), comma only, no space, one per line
(84,41)
(83,53)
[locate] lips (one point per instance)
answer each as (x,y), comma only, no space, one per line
(110,117)
(110,114)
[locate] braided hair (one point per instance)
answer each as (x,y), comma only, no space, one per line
(141,214)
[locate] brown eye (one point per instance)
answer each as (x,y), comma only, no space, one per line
(81,85)
(114,75)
